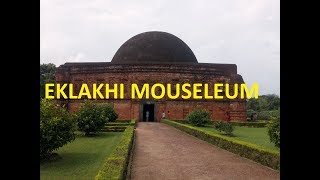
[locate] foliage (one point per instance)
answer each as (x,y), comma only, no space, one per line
(92,117)
(133,123)
(274,131)
(118,127)
(252,132)
(47,75)
(199,117)
(266,106)
(250,112)
(111,113)
(115,166)
(122,121)
(117,124)
(57,127)
(264,103)
(256,153)
(112,128)
(267,115)
(223,126)
(249,124)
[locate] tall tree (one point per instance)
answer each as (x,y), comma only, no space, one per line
(264,103)
(47,75)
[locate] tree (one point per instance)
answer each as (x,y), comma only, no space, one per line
(199,117)
(47,75)
(222,126)
(264,103)
(274,131)
(57,127)
(92,117)
(265,106)
(253,104)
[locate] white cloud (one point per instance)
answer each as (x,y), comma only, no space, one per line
(245,32)
(79,57)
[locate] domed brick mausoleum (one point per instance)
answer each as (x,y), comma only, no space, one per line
(155,57)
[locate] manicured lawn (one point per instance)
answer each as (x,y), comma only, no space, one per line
(82,158)
(258,136)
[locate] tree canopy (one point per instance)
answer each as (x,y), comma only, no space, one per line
(264,103)
(47,75)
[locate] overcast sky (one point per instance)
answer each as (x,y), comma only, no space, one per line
(242,32)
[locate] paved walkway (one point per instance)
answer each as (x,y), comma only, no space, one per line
(163,152)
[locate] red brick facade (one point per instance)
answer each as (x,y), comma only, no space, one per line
(89,73)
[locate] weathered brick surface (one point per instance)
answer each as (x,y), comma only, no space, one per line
(89,73)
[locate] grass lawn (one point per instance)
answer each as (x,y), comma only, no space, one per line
(258,136)
(82,158)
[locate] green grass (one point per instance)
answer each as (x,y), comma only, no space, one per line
(258,136)
(82,158)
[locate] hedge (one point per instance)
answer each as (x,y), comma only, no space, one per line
(133,123)
(114,128)
(249,124)
(115,166)
(118,127)
(122,121)
(256,153)
(234,123)
(117,124)
(267,115)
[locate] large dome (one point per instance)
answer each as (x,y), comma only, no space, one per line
(154,47)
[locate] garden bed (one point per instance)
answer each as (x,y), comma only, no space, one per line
(251,151)
(118,126)
(116,165)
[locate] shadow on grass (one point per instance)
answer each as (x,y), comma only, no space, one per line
(50,158)
(70,161)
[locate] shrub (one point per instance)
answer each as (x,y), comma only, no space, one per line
(122,121)
(92,117)
(249,124)
(223,126)
(115,166)
(133,123)
(111,113)
(114,128)
(256,153)
(267,115)
(250,112)
(274,131)
(56,127)
(199,117)
(117,124)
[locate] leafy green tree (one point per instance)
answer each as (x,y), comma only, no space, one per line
(265,106)
(264,103)
(199,117)
(274,131)
(223,126)
(57,127)
(47,75)
(111,113)
(274,102)
(92,117)
(253,104)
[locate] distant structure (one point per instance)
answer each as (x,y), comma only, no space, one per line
(156,57)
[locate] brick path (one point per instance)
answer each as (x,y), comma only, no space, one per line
(163,152)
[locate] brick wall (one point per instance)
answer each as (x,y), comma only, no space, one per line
(89,73)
